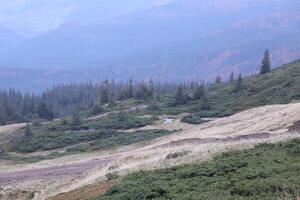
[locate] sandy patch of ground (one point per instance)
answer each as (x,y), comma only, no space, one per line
(243,130)
(5,131)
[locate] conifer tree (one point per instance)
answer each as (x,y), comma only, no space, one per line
(265,63)
(239,84)
(199,92)
(104,92)
(231,78)
(180,98)
(130,89)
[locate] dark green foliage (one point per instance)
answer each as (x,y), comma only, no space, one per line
(45,112)
(218,79)
(120,120)
(46,140)
(193,119)
(97,109)
(280,86)
(105,92)
(64,121)
(180,97)
(87,142)
(239,84)
(265,172)
(112,176)
(265,63)
(177,154)
(76,121)
(28,132)
(119,139)
(62,134)
(231,77)
(199,92)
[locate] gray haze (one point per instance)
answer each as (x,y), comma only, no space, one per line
(43,43)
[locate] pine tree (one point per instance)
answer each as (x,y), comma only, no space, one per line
(239,84)
(199,92)
(104,92)
(180,98)
(231,78)
(122,113)
(265,63)
(130,89)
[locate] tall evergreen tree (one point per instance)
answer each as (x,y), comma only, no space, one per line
(180,97)
(231,77)
(130,91)
(104,92)
(265,63)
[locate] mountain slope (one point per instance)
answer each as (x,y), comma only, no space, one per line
(281,85)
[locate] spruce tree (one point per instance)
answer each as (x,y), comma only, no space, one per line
(130,89)
(239,84)
(265,63)
(231,78)
(199,92)
(180,98)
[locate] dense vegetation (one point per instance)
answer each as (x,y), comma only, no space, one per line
(269,171)
(103,132)
(64,100)
(281,85)
(85,142)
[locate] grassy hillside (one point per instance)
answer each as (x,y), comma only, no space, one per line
(280,86)
(269,171)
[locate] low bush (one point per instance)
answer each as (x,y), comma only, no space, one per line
(112,176)
(177,154)
(193,119)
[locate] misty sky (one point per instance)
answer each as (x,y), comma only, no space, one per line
(31,17)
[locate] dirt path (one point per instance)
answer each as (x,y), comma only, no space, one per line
(243,130)
(52,173)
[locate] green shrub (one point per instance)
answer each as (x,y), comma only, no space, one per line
(177,154)
(112,176)
(193,119)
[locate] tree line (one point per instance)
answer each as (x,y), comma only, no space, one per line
(63,100)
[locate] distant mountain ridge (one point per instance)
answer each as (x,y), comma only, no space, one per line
(178,40)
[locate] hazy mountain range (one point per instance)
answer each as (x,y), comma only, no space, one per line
(70,41)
